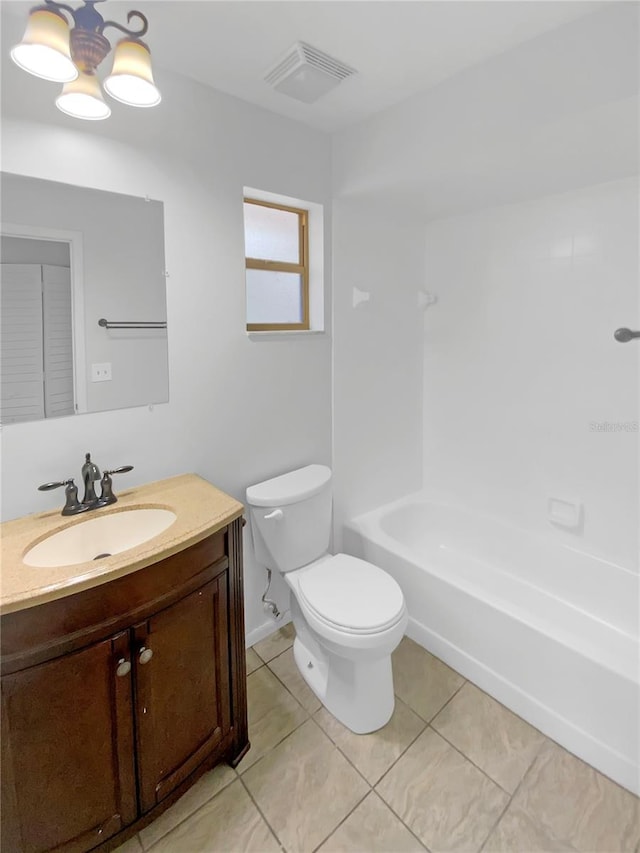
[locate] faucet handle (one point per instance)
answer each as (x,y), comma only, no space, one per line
(123,469)
(72,505)
(107,496)
(47,487)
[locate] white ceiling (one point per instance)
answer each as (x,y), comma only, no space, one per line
(399,47)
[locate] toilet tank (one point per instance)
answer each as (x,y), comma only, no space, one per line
(291,518)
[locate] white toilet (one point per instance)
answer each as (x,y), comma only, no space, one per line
(349,615)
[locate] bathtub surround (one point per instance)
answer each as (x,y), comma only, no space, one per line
(535,291)
(521,125)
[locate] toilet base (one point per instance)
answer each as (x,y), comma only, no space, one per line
(358,693)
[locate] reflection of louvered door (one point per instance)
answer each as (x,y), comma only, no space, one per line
(37,351)
(21,372)
(58,345)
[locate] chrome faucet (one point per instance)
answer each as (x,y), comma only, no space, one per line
(90,474)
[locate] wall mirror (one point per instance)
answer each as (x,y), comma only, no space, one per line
(82,300)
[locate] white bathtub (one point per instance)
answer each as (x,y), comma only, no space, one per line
(549,631)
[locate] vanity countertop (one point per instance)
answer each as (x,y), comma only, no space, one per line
(201,510)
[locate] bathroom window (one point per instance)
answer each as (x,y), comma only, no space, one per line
(277,266)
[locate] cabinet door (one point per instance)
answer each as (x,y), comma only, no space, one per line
(68,779)
(182,702)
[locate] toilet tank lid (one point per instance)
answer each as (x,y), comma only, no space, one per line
(289,488)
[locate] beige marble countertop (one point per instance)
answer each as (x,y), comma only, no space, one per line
(201,510)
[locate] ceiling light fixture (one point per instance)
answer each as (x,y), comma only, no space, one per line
(52,50)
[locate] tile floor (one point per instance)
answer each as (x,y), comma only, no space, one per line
(452,771)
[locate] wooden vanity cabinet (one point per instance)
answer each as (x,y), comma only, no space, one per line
(182,705)
(116,699)
(67,751)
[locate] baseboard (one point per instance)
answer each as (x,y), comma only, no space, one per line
(264,630)
(591,750)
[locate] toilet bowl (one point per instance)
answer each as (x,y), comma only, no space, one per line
(349,615)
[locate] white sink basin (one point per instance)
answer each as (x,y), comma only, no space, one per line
(99,536)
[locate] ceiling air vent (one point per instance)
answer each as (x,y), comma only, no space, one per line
(306,73)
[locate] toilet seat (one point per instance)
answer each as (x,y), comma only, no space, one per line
(351,595)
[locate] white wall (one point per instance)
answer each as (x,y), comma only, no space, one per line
(521,366)
(555,113)
(377,359)
(240,410)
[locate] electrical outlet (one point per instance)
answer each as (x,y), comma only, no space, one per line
(101,372)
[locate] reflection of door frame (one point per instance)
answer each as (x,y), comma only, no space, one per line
(74,239)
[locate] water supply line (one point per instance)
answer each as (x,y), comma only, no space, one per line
(269,603)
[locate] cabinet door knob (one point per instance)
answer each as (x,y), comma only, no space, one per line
(124,668)
(145,655)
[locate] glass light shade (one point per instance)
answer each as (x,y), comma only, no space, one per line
(44,49)
(131,79)
(82,98)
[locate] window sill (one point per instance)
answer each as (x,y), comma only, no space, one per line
(285,334)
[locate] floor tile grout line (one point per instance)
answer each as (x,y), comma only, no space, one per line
(372,785)
(403,822)
(426,725)
(471,761)
(266,638)
(311,713)
(267,662)
(337,745)
(346,757)
(449,700)
(262,815)
(495,824)
(407,747)
(334,746)
(191,814)
(271,748)
(511,798)
(533,817)
(337,826)
(428,721)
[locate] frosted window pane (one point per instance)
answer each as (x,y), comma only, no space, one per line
(273,297)
(271,234)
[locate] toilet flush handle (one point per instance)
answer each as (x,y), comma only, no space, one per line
(276,515)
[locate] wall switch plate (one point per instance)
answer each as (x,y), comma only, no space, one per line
(101,372)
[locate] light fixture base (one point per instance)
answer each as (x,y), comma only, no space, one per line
(88,48)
